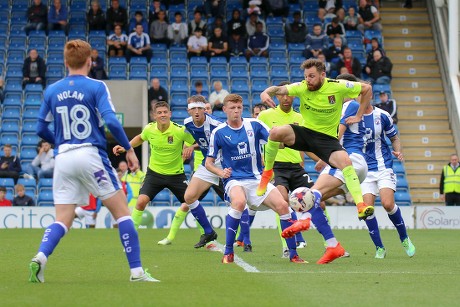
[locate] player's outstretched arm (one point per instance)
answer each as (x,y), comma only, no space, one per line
(136,141)
(131,159)
(266,96)
(211,166)
(364,103)
(396,144)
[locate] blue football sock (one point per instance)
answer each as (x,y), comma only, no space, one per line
(251,219)
(200,215)
(231,228)
(320,220)
(244,225)
(397,220)
(130,241)
(51,238)
(374,231)
(298,236)
(290,241)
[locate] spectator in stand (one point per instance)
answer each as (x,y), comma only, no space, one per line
(97,70)
(335,53)
(214,8)
(37,17)
(237,44)
(139,44)
(159,29)
(95,17)
(388,105)
(217,44)
(157,92)
(3,201)
(34,69)
(351,20)
(327,64)
(116,15)
(236,24)
(57,17)
(258,43)
(10,166)
(2,84)
(117,42)
(42,165)
(351,64)
(197,44)
(138,19)
(254,7)
(197,22)
(251,24)
(375,45)
(340,14)
(21,198)
(335,29)
(155,9)
(327,8)
(316,42)
(218,23)
(216,99)
(379,69)
(178,31)
(449,187)
(368,16)
(277,8)
(296,31)
(198,90)
(256,109)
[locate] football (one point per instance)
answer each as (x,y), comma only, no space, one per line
(301,199)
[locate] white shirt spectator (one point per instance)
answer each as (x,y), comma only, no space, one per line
(44,160)
(195,42)
(217,97)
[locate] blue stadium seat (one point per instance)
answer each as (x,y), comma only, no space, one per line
(45,184)
(29,125)
(31,139)
(117,60)
(398,168)
(28,153)
(279,71)
(179,116)
(45,198)
(275,30)
(199,71)
(402,198)
(179,86)
(29,184)
(163,198)
(240,86)
(402,184)
(178,57)
(11,112)
(33,88)
(258,60)
(218,60)
(9,138)
(159,71)
(218,71)
(10,125)
(12,101)
(237,60)
(259,70)
(179,100)
(198,60)
(259,85)
(8,183)
(238,71)
(369,34)
(54,57)
(178,71)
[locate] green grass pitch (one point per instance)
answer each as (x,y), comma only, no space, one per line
(89,269)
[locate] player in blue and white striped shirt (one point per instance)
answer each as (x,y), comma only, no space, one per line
(238,142)
(78,106)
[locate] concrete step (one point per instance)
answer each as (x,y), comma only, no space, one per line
(409,44)
(427,140)
(414,98)
(407,31)
(415,57)
(428,154)
(421,111)
(426,182)
(416,71)
(424,195)
(430,126)
(424,169)
(405,17)
(415,85)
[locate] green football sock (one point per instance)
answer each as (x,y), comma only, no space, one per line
(200,228)
(136,215)
(278,222)
(270,152)
(353,184)
(178,219)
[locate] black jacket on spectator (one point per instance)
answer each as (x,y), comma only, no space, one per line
(380,68)
(97,71)
(119,17)
(96,20)
(38,13)
(160,95)
(296,32)
(355,66)
(236,25)
(41,67)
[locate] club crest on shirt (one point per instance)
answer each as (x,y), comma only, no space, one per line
(250,133)
(170,139)
(377,121)
(331,99)
(71,83)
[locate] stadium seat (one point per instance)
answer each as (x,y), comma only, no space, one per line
(178,71)
(11,112)
(218,60)
(179,86)
(30,113)
(30,185)
(402,198)
(179,100)
(7,183)
(237,60)
(29,125)
(45,184)
(10,125)
(45,198)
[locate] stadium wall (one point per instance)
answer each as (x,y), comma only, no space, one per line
(419,217)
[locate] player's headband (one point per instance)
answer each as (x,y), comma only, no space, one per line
(196,105)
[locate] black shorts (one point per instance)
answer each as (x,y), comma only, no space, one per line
(291,176)
(320,144)
(154,183)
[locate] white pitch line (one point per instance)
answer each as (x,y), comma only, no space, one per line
(358,272)
(238,261)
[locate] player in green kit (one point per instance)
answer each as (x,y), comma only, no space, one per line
(166,167)
(288,166)
(321,102)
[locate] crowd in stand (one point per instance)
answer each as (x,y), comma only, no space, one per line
(243,33)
